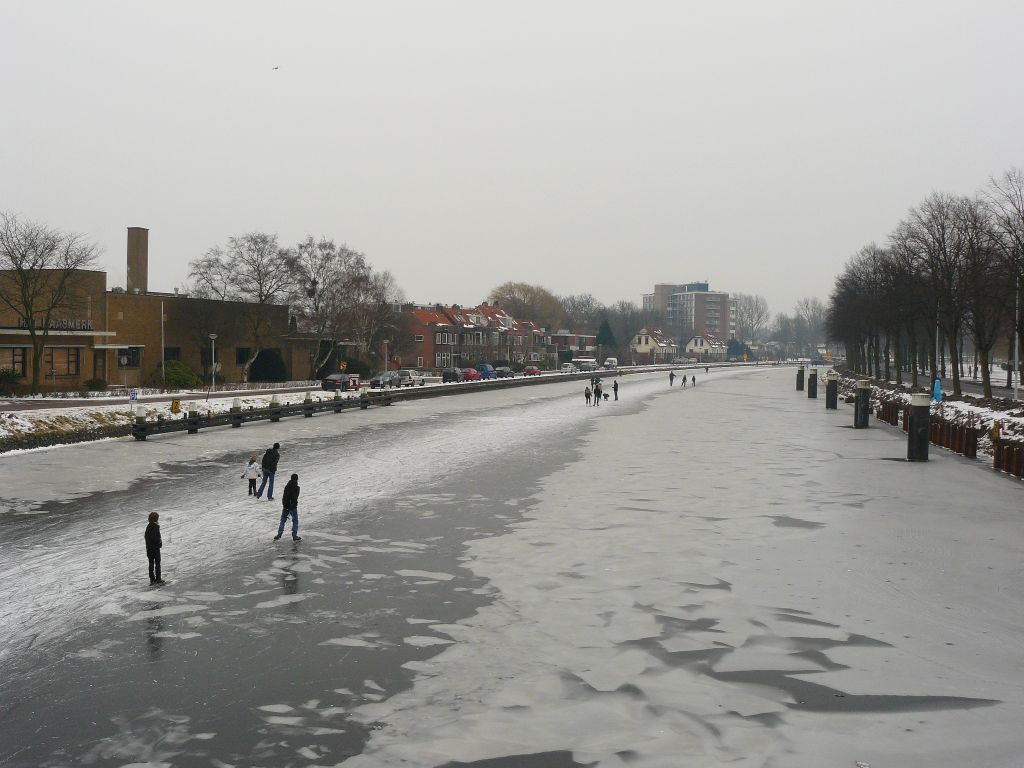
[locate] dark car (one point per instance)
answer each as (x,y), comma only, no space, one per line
(531,370)
(504,372)
(486,371)
(340,381)
(452,374)
(385,379)
(471,374)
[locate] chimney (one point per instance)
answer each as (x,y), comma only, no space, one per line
(138,260)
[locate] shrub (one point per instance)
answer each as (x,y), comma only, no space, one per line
(176,374)
(8,381)
(94,385)
(268,366)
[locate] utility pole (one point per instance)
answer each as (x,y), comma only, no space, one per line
(163,356)
(213,363)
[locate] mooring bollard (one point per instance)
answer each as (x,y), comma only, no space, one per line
(139,429)
(862,404)
(193,422)
(812,384)
(275,408)
(236,413)
(917,430)
(307,406)
(831,391)
(800,379)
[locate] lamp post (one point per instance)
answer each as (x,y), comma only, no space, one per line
(213,363)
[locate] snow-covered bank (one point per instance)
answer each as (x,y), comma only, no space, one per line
(968,411)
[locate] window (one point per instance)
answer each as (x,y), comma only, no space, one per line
(129,357)
(172,353)
(419,362)
(13,357)
(437,338)
(242,355)
(63,360)
(418,337)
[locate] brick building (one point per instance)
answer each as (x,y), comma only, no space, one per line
(121,335)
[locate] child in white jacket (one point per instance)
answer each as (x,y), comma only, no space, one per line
(252,473)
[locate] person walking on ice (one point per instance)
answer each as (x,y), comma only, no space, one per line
(269,464)
(684,382)
(671,378)
(290,508)
(586,394)
(615,388)
(693,380)
(252,473)
(597,393)
(153,545)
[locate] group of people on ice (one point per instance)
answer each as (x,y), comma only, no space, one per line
(265,469)
(672,379)
(595,391)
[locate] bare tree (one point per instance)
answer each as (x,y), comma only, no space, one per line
(251,269)
(37,277)
(1006,199)
(528,302)
(581,311)
(752,316)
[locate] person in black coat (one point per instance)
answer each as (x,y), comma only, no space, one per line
(269,465)
(153,545)
(290,508)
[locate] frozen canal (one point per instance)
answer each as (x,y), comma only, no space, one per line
(725,575)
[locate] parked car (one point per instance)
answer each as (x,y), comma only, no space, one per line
(385,379)
(410,377)
(471,374)
(504,372)
(567,368)
(531,370)
(452,374)
(486,371)
(340,381)
(611,363)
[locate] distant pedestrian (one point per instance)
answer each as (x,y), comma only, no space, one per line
(153,545)
(597,393)
(705,370)
(615,388)
(252,473)
(672,378)
(269,465)
(586,395)
(693,380)
(290,508)
(684,382)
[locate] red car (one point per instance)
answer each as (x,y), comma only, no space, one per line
(471,374)
(531,370)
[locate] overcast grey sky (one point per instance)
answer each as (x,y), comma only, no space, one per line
(587,146)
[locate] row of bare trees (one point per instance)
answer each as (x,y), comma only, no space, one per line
(949,277)
(331,290)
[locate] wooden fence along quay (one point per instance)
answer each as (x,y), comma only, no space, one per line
(1007,455)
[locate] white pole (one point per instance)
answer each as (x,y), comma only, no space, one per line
(163,367)
(213,363)
(1016,342)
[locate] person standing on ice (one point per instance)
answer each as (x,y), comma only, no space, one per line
(615,388)
(693,380)
(586,394)
(252,473)
(290,508)
(597,393)
(269,463)
(671,378)
(153,545)
(684,382)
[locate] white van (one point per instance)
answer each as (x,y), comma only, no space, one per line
(567,368)
(611,363)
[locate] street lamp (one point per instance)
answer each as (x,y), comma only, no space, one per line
(213,362)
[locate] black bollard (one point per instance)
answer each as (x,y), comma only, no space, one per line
(917,428)
(862,404)
(800,379)
(832,391)
(812,384)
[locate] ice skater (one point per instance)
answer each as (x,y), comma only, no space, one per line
(252,473)
(693,380)
(671,378)
(705,370)
(290,508)
(684,382)
(269,464)
(586,394)
(615,388)
(153,545)
(597,393)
